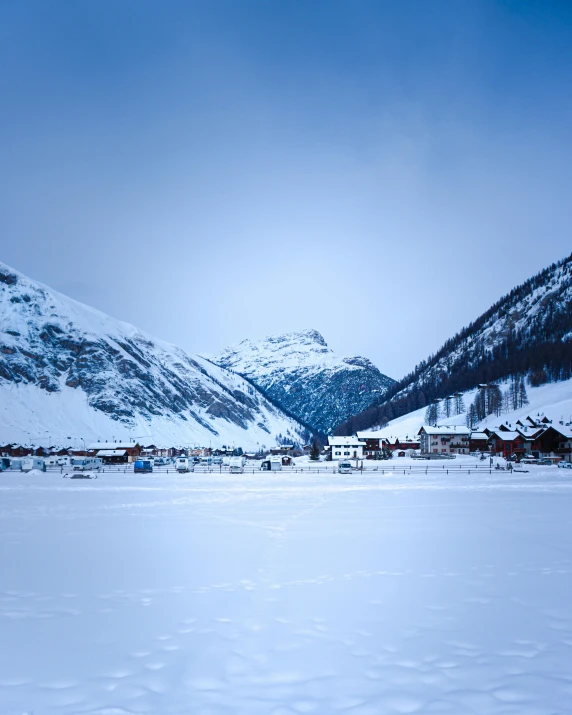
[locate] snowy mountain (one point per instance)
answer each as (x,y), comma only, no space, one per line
(301,374)
(527,333)
(70,370)
(553,400)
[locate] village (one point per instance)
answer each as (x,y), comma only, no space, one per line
(528,439)
(531,440)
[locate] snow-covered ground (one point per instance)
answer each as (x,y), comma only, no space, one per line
(554,400)
(286,593)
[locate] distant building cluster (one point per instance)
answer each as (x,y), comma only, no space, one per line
(540,438)
(115,452)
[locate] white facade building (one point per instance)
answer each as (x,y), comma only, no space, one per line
(346,447)
(444,439)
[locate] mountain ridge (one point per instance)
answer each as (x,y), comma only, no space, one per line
(526,333)
(305,377)
(59,345)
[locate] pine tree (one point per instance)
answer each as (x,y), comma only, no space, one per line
(506,401)
(522,395)
(513,391)
(472,417)
(432,414)
(387,453)
(447,407)
(315,453)
(494,400)
(479,405)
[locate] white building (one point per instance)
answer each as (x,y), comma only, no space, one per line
(444,439)
(346,447)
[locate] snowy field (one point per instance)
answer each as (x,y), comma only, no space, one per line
(363,594)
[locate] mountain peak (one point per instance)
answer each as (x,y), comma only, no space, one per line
(73,369)
(305,377)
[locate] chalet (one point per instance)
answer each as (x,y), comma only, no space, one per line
(504,443)
(444,439)
(113,456)
(16,450)
(555,443)
(373,443)
(150,450)
(287,449)
(346,447)
(133,450)
(530,436)
(478,441)
(404,443)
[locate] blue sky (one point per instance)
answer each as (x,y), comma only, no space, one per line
(211,171)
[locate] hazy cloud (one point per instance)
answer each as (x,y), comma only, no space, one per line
(215,171)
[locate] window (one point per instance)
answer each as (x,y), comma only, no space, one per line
(347,454)
(338,454)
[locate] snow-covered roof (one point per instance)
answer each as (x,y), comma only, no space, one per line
(378,434)
(112,445)
(445,429)
(111,453)
(530,434)
(564,430)
(345,441)
(479,435)
(506,436)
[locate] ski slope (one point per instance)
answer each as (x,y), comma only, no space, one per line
(282,594)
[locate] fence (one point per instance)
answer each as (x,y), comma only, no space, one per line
(322,468)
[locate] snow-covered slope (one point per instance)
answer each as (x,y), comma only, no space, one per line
(69,370)
(305,377)
(553,400)
(527,333)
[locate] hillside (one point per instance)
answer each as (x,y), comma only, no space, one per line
(70,370)
(552,399)
(302,375)
(526,333)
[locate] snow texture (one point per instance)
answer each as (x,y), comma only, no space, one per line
(248,595)
(68,370)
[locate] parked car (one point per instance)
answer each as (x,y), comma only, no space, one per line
(565,465)
(344,467)
(545,462)
(143,466)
